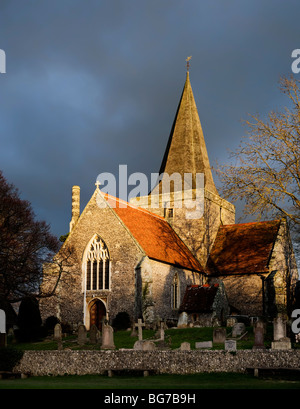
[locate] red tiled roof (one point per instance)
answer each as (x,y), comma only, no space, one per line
(154,234)
(198,298)
(243,248)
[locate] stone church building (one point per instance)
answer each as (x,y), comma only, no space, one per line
(141,257)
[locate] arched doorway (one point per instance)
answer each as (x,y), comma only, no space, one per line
(97,313)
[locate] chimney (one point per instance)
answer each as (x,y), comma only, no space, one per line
(75,206)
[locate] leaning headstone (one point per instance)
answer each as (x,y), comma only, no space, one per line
(219,335)
(259,336)
(230,345)
(185,346)
(238,329)
(107,337)
(3,338)
(82,335)
(57,332)
(203,344)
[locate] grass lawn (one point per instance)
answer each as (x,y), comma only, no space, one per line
(173,338)
(175,382)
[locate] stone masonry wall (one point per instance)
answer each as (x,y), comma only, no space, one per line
(42,363)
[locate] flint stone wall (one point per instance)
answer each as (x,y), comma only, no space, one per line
(40,363)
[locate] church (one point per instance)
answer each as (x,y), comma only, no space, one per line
(142,256)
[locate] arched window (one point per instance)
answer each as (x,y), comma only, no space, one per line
(175,292)
(97,266)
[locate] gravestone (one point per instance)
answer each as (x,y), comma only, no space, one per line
(57,332)
(281,341)
(238,329)
(82,335)
(144,345)
(259,336)
(160,333)
(3,338)
(219,335)
(140,326)
(203,344)
(134,331)
(185,346)
(94,334)
(279,328)
(230,321)
(230,345)
(182,320)
(107,337)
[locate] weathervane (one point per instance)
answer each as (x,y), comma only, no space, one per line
(188,63)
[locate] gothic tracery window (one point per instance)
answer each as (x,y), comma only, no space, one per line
(97,266)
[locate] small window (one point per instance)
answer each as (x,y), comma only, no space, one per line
(169,212)
(175,293)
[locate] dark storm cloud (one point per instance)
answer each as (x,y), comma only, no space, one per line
(94,84)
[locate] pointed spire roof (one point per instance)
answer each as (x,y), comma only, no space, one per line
(186,150)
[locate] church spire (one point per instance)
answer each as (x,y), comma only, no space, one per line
(186,150)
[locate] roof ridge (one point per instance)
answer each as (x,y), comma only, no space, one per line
(248,223)
(141,209)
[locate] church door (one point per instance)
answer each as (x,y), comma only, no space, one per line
(97,313)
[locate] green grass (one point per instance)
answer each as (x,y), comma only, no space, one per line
(175,382)
(173,339)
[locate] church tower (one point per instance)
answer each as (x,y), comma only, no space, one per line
(185,192)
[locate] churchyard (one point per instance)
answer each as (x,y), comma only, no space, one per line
(140,351)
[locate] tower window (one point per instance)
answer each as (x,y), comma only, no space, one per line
(169,212)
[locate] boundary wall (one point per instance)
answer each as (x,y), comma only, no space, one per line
(69,362)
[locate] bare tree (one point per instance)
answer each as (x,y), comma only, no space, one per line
(25,246)
(266,169)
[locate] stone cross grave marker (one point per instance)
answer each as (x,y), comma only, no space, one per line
(2,329)
(140,326)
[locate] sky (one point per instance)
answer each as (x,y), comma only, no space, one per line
(91,85)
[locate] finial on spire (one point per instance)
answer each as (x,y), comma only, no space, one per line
(188,63)
(97,184)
